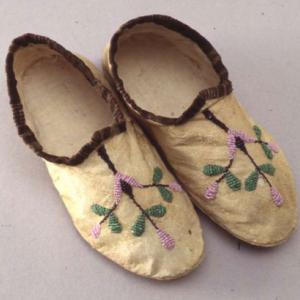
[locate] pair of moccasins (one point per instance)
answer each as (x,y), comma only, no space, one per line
(114,182)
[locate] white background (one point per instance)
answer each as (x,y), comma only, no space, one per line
(41,254)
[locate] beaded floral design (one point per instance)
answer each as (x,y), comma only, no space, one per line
(237,140)
(124,184)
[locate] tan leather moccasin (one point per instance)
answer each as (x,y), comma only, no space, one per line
(118,192)
(174,83)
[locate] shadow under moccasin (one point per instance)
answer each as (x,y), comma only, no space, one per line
(118,192)
(174,83)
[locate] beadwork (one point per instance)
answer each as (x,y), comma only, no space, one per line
(125,184)
(237,140)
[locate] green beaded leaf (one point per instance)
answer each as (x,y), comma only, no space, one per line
(157,175)
(212,170)
(268,169)
(166,194)
(251,181)
(257,131)
(114,223)
(267,150)
(99,210)
(233,182)
(138,227)
(157,211)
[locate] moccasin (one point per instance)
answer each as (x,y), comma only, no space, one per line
(174,83)
(118,192)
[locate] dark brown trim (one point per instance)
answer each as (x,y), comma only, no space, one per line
(23,129)
(224,87)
